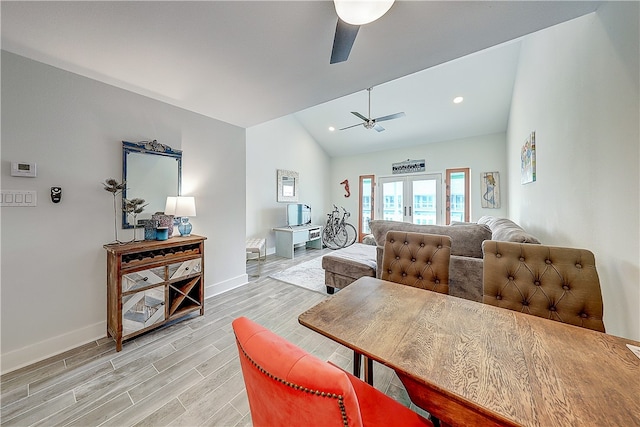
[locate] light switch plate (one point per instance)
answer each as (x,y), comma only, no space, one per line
(16,198)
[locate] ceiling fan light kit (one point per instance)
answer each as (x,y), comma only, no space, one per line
(360,12)
(352,14)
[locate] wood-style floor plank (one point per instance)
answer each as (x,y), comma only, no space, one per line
(184,374)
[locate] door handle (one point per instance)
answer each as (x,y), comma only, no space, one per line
(409,210)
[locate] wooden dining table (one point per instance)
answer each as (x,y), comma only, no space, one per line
(469,363)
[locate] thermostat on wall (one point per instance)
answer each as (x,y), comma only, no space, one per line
(23,169)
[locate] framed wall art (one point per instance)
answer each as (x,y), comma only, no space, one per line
(490,189)
(528,160)
(287,186)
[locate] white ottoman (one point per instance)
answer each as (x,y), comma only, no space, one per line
(258,246)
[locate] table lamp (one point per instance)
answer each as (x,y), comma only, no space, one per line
(185,207)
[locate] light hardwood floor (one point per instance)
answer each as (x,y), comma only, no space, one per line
(184,374)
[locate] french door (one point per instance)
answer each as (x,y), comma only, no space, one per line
(414,198)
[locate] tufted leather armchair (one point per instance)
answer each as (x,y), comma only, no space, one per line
(287,386)
(417,259)
(548,281)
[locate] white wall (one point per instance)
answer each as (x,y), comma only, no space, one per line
(282,144)
(53,264)
(577,87)
(480,154)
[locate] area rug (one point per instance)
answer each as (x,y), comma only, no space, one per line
(309,275)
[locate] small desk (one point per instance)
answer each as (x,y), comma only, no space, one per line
(469,363)
(288,237)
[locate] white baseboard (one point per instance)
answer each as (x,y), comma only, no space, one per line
(227,285)
(33,353)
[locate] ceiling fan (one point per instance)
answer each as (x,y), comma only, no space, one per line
(370,123)
(351,15)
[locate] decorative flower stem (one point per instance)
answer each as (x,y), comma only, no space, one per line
(115,188)
(133,207)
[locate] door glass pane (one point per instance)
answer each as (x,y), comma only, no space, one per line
(367,207)
(393,204)
(425,201)
(457,196)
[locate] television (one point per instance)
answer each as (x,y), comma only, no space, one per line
(298,214)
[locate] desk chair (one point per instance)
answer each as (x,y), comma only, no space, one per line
(287,386)
(547,281)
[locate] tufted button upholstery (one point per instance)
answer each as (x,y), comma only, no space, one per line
(421,260)
(557,283)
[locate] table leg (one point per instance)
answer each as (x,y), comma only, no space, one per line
(368,370)
(356,364)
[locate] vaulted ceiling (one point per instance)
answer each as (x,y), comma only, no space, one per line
(246,63)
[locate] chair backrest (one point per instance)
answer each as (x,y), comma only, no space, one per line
(417,259)
(287,386)
(548,281)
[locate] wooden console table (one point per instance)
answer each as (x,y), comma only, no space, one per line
(151,282)
(288,237)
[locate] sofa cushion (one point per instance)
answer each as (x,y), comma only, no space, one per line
(505,230)
(466,239)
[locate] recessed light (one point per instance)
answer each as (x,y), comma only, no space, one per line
(458,100)
(331,128)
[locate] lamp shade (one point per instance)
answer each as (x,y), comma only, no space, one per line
(360,12)
(170,206)
(185,206)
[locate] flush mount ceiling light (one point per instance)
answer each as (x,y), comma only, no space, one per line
(360,12)
(458,100)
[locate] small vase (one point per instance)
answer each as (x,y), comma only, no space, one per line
(150,229)
(162,233)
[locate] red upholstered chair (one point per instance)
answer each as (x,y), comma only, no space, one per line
(287,386)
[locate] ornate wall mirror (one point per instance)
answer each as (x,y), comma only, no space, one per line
(287,186)
(152,172)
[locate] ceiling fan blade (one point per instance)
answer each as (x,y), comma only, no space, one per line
(360,116)
(352,126)
(390,117)
(378,127)
(343,41)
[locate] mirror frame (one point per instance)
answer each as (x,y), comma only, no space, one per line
(284,180)
(153,148)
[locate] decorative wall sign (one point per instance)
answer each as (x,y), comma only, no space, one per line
(490,188)
(346,187)
(287,186)
(408,166)
(528,160)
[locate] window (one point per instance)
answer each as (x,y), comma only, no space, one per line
(367,186)
(457,198)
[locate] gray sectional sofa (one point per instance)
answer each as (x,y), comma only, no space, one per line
(465,268)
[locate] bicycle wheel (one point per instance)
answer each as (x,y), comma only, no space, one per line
(352,234)
(328,238)
(340,238)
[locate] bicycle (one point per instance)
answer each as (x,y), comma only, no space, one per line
(338,233)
